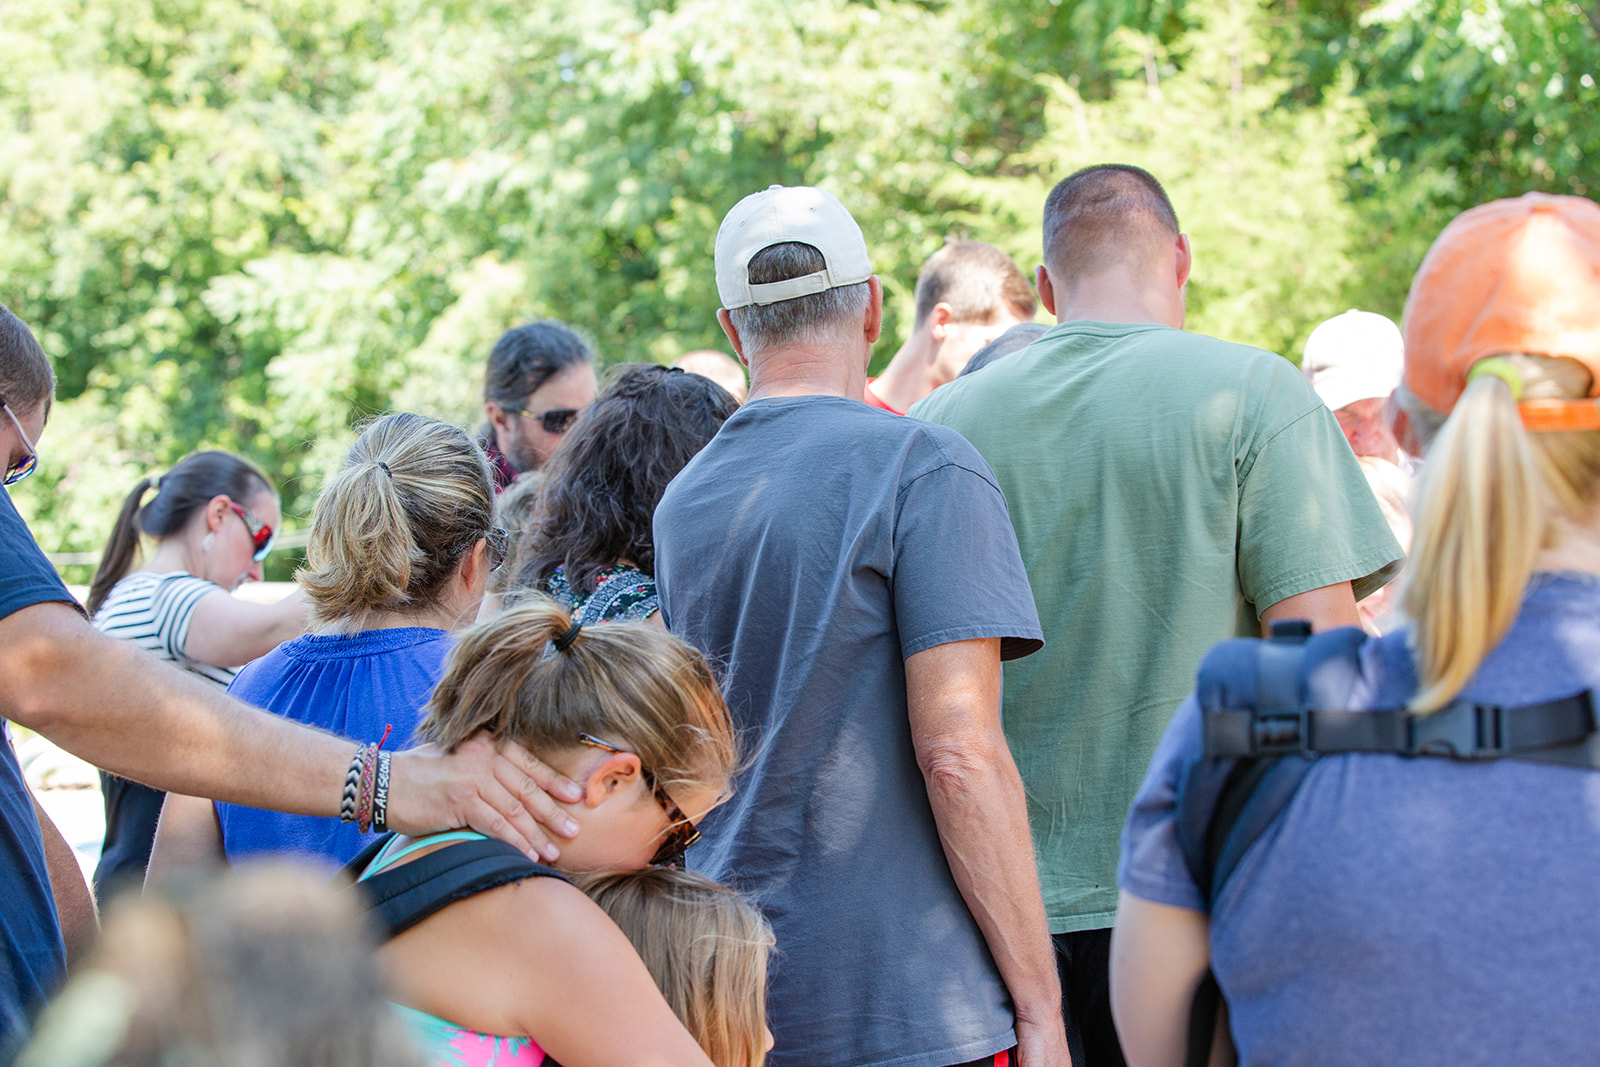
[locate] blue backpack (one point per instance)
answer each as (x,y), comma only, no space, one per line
(1270,708)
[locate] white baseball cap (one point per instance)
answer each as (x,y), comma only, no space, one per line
(1355,356)
(778,215)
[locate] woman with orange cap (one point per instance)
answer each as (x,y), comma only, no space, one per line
(1392,906)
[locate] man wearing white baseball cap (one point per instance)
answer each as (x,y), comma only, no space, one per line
(1354,362)
(857,577)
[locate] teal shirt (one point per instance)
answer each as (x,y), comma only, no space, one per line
(1165,487)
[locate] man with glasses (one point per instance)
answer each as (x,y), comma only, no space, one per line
(856,575)
(121,709)
(539,379)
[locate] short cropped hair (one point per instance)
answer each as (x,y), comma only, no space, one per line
(977,280)
(26,377)
(805,319)
(1104,215)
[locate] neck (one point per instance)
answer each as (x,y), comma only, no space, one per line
(1576,548)
(828,369)
(913,373)
(1123,296)
(176,554)
(440,616)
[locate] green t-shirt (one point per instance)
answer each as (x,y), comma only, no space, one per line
(1165,487)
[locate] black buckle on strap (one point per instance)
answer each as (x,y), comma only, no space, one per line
(1278,734)
(1459,731)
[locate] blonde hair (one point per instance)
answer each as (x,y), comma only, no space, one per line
(390,529)
(265,965)
(631,684)
(707,949)
(1492,496)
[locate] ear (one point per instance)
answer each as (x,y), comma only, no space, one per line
(939,320)
(217,511)
(499,418)
(873,327)
(1047,292)
(473,570)
(1185,259)
(725,320)
(617,771)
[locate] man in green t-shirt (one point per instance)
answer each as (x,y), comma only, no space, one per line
(1169,491)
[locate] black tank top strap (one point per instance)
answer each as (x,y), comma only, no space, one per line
(401,896)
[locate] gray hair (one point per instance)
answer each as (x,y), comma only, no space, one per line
(805,319)
(1425,422)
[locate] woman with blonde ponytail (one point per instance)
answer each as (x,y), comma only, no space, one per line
(402,542)
(211,518)
(1425,892)
(523,967)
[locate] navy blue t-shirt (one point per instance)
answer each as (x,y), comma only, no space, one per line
(356,685)
(811,548)
(32,959)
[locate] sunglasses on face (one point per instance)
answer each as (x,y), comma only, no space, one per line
(260,532)
(556,420)
(29,463)
(681,833)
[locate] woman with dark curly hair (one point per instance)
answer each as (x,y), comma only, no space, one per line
(589,543)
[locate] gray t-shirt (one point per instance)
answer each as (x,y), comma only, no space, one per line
(810,548)
(1411,911)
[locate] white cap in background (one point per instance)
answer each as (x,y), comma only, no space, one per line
(1355,356)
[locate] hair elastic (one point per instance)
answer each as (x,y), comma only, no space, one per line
(1498,367)
(564,642)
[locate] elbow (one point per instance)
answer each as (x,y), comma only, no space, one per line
(958,764)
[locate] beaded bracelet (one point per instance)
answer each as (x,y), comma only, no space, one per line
(380,796)
(352,785)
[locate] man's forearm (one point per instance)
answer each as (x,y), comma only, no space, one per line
(979,807)
(127,712)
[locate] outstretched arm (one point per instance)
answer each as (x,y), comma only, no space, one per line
(953,694)
(123,710)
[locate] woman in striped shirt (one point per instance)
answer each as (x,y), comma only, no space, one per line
(212,518)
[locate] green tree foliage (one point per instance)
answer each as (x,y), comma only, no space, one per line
(251,225)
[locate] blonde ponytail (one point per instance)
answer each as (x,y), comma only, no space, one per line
(1491,494)
(391,528)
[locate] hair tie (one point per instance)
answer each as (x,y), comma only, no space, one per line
(564,642)
(1498,367)
(155,483)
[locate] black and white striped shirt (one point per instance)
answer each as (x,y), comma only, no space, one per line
(153,611)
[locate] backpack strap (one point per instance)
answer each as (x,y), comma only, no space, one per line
(399,897)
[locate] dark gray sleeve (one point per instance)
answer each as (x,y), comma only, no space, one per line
(958,573)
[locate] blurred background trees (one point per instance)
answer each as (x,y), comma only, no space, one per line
(251,224)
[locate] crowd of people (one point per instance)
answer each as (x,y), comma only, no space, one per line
(1043,700)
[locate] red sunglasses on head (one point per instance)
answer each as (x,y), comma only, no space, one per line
(260,532)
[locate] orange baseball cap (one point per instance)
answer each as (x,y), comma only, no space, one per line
(1518,275)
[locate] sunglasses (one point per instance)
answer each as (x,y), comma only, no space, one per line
(27,464)
(681,834)
(556,420)
(260,532)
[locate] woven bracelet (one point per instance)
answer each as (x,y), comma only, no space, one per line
(369,777)
(352,786)
(380,796)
